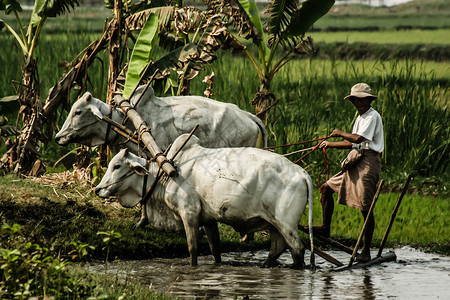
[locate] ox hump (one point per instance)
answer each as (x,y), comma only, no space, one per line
(193,141)
(149,93)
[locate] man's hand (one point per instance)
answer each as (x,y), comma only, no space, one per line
(323,144)
(336,133)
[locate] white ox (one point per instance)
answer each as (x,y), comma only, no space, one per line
(220,124)
(249,189)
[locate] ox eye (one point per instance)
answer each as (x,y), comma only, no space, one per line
(77,113)
(116,167)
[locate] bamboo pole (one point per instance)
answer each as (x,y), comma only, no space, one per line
(363,229)
(145,136)
(327,257)
(334,243)
(394,214)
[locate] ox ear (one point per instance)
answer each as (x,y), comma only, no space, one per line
(86,97)
(138,168)
(96,112)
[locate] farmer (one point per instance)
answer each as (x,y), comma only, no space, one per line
(360,171)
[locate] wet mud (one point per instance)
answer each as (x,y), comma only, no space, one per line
(415,275)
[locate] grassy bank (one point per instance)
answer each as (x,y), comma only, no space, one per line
(415,36)
(420,13)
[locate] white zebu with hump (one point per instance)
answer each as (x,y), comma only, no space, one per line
(220,124)
(248,188)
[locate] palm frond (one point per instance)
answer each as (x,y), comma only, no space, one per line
(288,26)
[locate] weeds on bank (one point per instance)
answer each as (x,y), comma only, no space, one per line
(28,269)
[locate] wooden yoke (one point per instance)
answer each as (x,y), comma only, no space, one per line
(145,136)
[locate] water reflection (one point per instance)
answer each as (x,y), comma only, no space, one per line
(415,275)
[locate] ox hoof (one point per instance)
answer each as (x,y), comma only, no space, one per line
(298,266)
(140,224)
(270,264)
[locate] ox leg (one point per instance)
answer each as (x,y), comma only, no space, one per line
(295,246)
(277,247)
(192,234)
(212,233)
(144,219)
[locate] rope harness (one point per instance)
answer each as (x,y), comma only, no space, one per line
(129,174)
(312,149)
(147,193)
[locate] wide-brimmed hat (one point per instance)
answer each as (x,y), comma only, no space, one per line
(360,90)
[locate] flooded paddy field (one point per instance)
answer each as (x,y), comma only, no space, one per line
(415,275)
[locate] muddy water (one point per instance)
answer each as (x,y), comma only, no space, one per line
(415,275)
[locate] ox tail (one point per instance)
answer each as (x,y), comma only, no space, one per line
(262,135)
(309,186)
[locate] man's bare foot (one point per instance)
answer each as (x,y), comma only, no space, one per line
(363,257)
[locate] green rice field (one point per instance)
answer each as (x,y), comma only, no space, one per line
(414,36)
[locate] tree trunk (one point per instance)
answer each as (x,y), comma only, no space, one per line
(263,101)
(115,45)
(24,152)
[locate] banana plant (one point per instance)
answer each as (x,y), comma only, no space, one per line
(287,23)
(26,147)
(28,36)
(189,34)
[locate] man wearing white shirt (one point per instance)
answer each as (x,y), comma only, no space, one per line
(356,183)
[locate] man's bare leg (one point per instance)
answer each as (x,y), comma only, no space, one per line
(370,227)
(327,201)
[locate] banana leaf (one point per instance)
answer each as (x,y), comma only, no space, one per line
(251,10)
(141,54)
(308,13)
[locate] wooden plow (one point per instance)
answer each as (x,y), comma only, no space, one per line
(380,258)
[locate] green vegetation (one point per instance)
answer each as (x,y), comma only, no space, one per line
(30,270)
(418,13)
(412,101)
(414,36)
